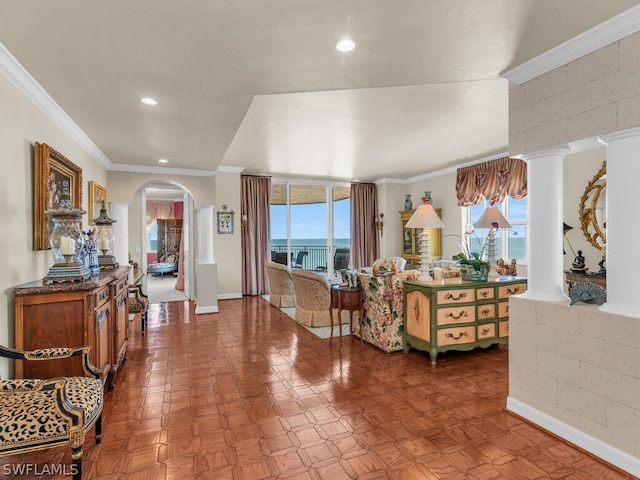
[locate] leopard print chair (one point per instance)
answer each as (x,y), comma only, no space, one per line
(39,414)
(138,301)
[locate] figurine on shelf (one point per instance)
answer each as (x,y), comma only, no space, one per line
(511,269)
(501,268)
(578,264)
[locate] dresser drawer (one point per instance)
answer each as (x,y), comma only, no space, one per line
(503,309)
(487,293)
(456,335)
(503,328)
(486,312)
(463,295)
(486,330)
(102,296)
(506,291)
(459,314)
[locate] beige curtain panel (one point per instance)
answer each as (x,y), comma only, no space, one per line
(492,180)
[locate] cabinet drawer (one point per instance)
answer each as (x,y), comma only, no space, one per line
(486,330)
(503,328)
(506,291)
(102,296)
(503,309)
(487,293)
(486,312)
(452,315)
(121,286)
(465,295)
(456,335)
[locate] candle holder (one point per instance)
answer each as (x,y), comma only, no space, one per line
(104,239)
(66,242)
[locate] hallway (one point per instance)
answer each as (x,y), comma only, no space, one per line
(249,394)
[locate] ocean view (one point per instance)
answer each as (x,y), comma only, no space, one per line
(310,242)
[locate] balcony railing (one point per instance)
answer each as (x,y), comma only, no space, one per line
(315,259)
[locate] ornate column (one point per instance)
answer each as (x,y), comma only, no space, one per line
(206,268)
(120,211)
(544,237)
(623,222)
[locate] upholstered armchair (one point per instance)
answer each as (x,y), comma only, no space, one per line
(389,264)
(138,301)
(281,290)
(383,303)
(313,298)
(39,414)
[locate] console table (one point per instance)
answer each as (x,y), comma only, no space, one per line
(453,314)
(571,277)
(93,313)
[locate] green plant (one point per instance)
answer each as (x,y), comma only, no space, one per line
(466,257)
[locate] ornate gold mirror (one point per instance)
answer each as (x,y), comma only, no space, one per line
(593,209)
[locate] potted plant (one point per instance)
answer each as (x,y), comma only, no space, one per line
(471,265)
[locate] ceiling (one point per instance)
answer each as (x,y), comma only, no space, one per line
(259,84)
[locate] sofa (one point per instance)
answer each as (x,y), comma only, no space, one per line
(383,303)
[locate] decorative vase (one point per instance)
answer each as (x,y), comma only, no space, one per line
(471,274)
(408,204)
(427,198)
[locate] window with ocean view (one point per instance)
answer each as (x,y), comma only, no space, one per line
(301,234)
(510,243)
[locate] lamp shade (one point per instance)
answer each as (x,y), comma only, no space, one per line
(490,217)
(425,217)
(566,228)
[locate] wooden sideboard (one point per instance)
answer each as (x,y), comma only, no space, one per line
(93,313)
(453,314)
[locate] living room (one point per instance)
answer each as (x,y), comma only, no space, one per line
(561,181)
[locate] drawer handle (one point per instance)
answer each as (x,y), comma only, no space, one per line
(484,294)
(463,313)
(486,311)
(484,332)
(451,335)
(416,310)
(450,296)
(511,292)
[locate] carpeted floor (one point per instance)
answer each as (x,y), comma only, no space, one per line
(163,290)
(322,332)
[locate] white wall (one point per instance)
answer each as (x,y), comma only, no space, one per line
(23,124)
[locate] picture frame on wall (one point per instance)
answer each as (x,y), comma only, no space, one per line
(97,195)
(51,169)
(225,220)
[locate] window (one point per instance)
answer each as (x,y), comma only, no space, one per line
(152,234)
(510,243)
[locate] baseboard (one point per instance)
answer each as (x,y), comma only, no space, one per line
(229,296)
(211,309)
(598,448)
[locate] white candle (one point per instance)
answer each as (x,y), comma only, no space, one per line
(67,246)
(437,273)
(103,244)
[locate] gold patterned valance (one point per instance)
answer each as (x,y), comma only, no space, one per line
(492,180)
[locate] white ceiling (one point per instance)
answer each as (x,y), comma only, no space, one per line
(258,84)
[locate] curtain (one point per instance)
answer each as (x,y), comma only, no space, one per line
(493,180)
(364,231)
(255,201)
(159,209)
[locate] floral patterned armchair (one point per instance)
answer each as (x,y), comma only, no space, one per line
(382,297)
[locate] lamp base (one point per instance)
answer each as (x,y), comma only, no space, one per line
(67,273)
(107,261)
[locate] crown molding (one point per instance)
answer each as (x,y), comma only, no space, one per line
(23,81)
(186,172)
(609,31)
(229,169)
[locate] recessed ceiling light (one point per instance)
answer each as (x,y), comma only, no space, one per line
(345,45)
(148,101)
(163,160)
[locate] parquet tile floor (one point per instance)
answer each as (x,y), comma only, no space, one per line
(248,394)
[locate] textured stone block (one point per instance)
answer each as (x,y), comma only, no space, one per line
(594,122)
(628,113)
(600,431)
(517,96)
(622,418)
(559,366)
(547,85)
(629,51)
(569,103)
(623,359)
(546,136)
(589,406)
(596,379)
(601,63)
(624,83)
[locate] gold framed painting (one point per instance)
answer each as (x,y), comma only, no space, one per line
(51,170)
(97,195)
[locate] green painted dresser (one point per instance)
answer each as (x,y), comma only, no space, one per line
(453,314)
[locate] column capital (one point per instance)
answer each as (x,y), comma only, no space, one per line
(619,135)
(551,152)
(202,208)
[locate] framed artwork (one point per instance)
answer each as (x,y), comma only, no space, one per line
(97,195)
(51,169)
(225,220)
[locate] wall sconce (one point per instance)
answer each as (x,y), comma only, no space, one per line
(243,220)
(380,223)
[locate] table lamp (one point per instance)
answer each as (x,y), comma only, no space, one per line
(493,219)
(424,217)
(104,239)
